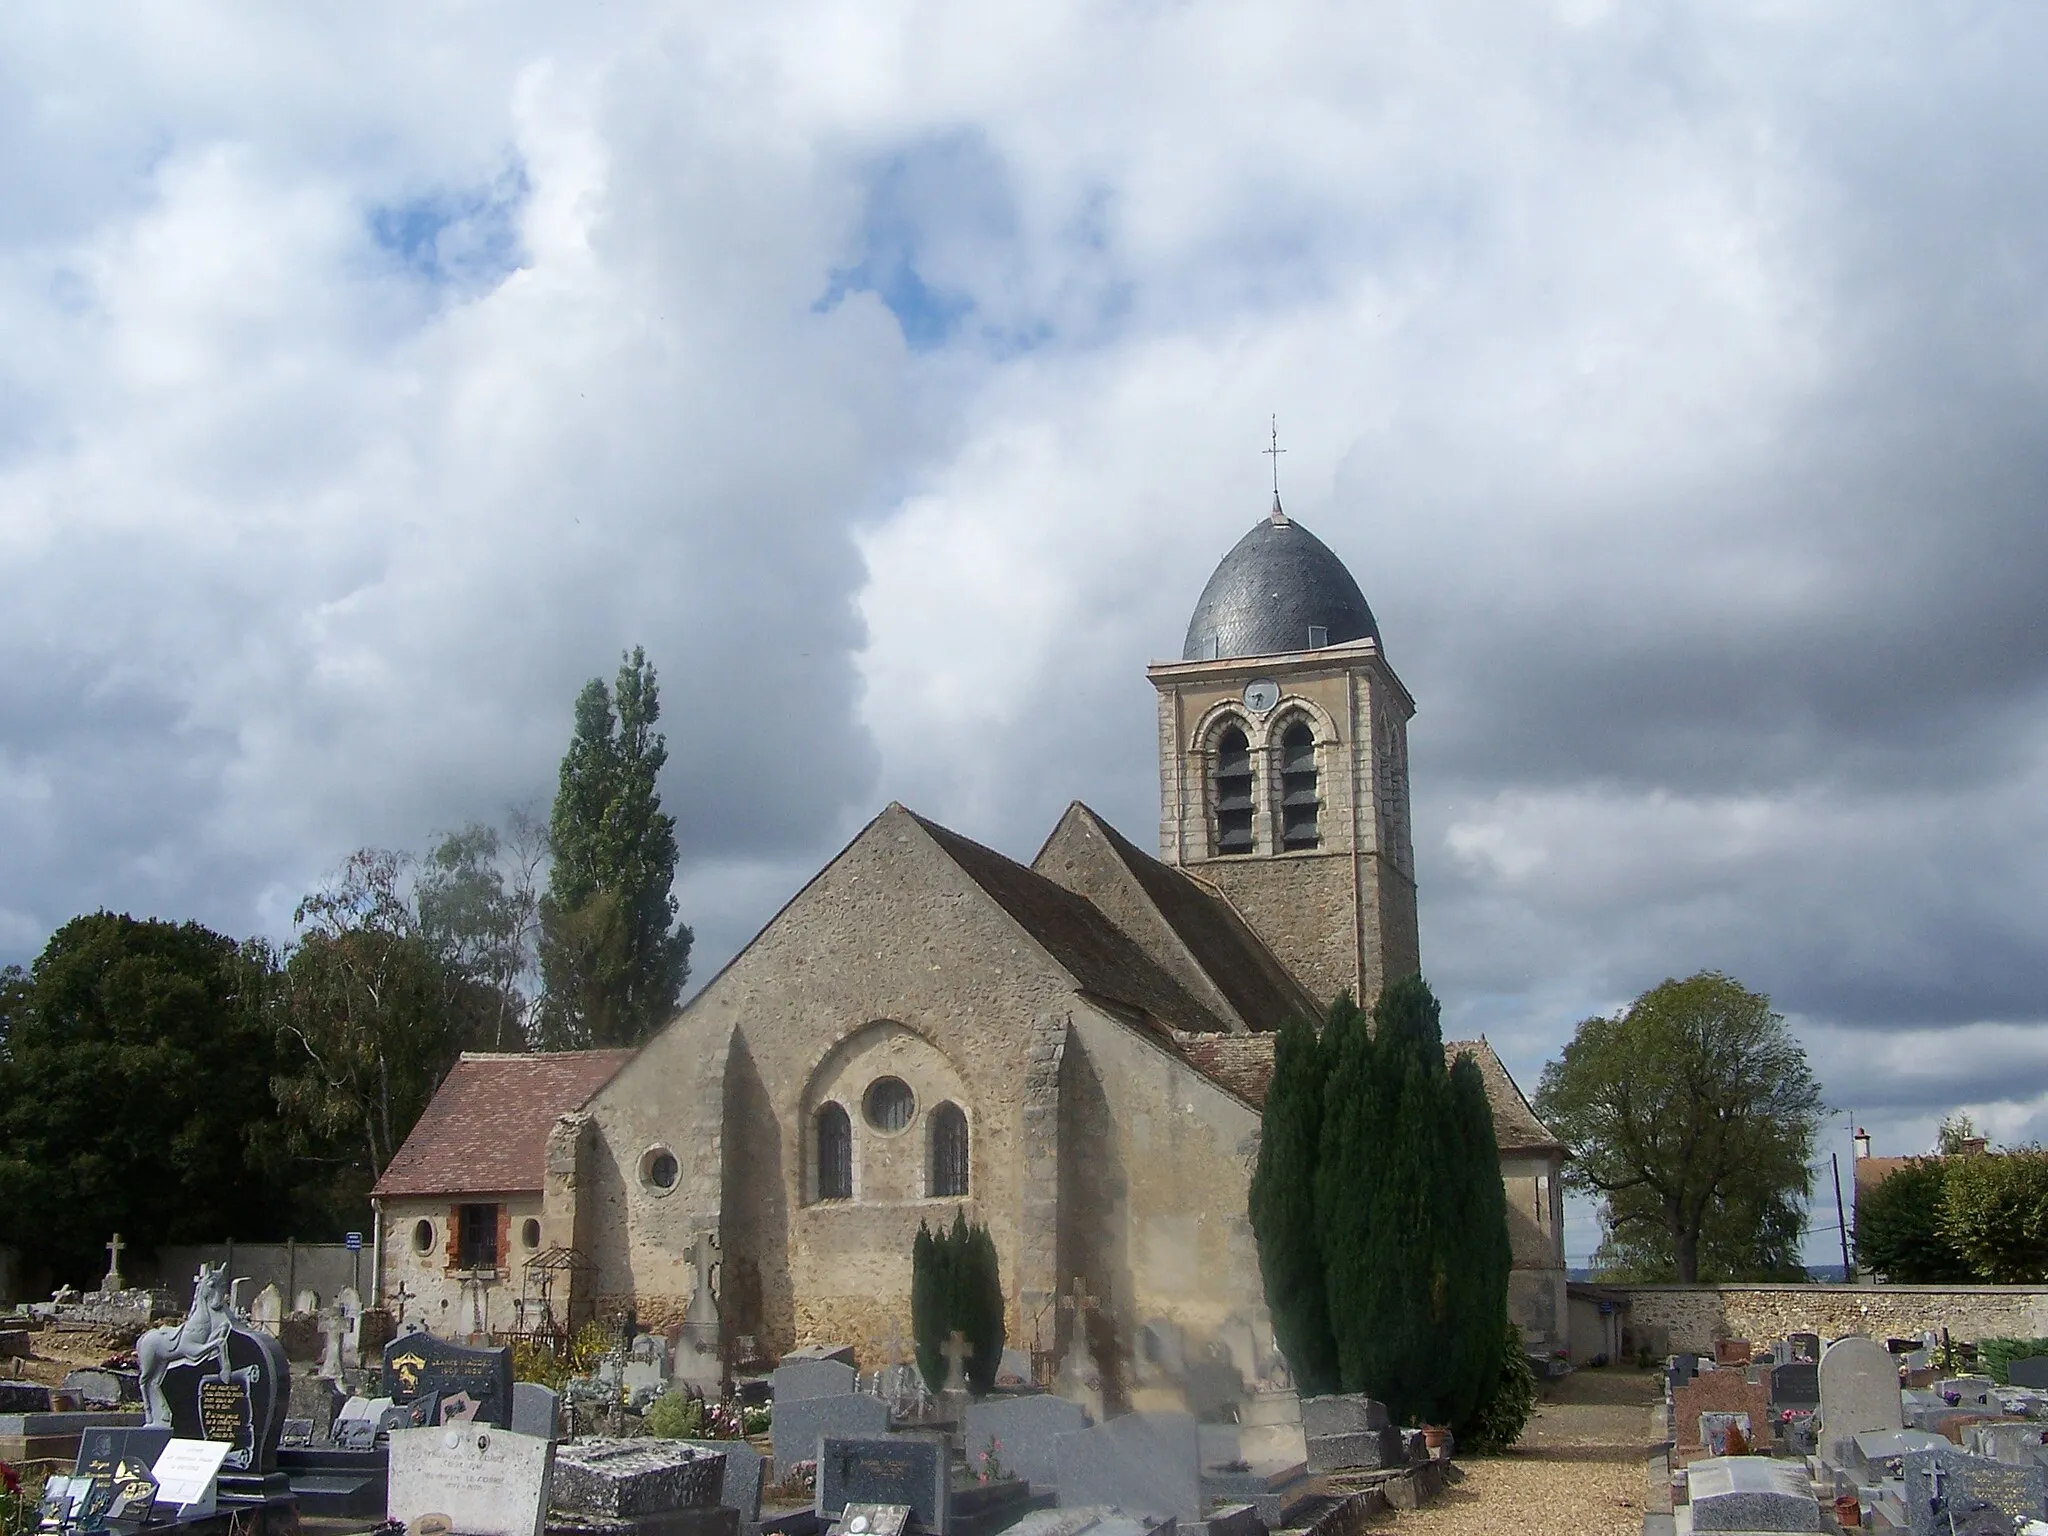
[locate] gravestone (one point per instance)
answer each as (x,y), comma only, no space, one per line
(536,1410)
(741,1486)
(1346,1432)
(1805,1346)
(317,1399)
(1945,1486)
(306,1302)
(2029,1371)
(624,1478)
(842,1353)
(98,1387)
(267,1310)
(333,1336)
(1859,1391)
(794,1379)
(1148,1463)
(1025,1431)
(487,1481)
(1796,1385)
(799,1422)
(104,1452)
(214,1377)
(24,1397)
(697,1360)
(1731,1352)
(1719,1432)
(1751,1493)
(472,1384)
(300,1335)
(908,1469)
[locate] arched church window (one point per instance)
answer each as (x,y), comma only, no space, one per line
(949,1151)
(835,1154)
(1233,792)
(1299,802)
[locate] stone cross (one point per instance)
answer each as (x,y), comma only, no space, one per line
(956,1352)
(704,1254)
(332,1326)
(113,1281)
(400,1295)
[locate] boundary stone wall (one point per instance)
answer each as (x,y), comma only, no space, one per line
(1663,1319)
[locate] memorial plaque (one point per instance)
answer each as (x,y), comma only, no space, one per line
(419,1365)
(102,1453)
(487,1481)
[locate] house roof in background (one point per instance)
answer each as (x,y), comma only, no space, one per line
(486,1130)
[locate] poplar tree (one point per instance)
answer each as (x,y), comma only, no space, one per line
(613,958)
(1283,1203)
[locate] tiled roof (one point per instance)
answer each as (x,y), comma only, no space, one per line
(486,1131)
(1873,1171)
(1258,988)
(1073,930)
(1243,1065)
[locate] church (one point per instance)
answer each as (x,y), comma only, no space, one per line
(1073,1051)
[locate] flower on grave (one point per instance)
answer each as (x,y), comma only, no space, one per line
(989,1468)
(9,1478)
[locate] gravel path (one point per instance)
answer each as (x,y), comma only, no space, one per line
(1580,1469)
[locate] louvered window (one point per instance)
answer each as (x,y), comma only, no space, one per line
(1299,801)
(835,1154)
(1233,793)
(949,1151)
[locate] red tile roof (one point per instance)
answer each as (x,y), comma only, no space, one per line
(486,1131)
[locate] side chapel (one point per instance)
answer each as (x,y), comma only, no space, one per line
(1074,1052)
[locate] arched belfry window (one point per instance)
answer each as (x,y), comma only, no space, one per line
(835,1154)
(949,1151)
(1233,792)
(1299,802)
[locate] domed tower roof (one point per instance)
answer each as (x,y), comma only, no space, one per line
(1278,583)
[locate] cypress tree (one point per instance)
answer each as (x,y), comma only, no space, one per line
(930,1298)
(1283,1205)
(1480,1315)
(1347,1153)
(956,1285)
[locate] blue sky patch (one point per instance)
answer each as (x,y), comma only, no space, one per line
(457,237)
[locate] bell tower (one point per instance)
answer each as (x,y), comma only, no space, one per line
(1283,762)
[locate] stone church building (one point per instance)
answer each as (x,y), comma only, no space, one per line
(1073,1051)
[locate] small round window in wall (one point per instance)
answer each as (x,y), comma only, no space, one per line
(659,1170)
(423,1237)
(529,1234)
(888,1104)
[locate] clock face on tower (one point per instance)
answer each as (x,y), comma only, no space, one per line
(1261,694)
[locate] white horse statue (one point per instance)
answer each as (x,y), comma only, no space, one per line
(196,1341)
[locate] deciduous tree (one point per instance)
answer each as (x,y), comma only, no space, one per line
(1994,1212)
(1898,1228)
(1693,1104)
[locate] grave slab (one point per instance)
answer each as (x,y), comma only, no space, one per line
(1945,1486)
(635,1477)
(1751,1493)
(1142,1462)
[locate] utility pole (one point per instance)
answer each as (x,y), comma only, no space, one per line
(1841,1221)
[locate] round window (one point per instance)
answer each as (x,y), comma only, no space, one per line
(659,1169)
(530,1233)
(423,1237)
(888,1104)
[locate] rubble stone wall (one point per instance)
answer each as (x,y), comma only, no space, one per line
(1663,1319)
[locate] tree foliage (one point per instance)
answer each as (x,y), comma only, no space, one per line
(135,1059)
(1393,1279)
(1499,1422)
(1283,1205)
(1693,1114)
(1994,1213)
(613,958)
(1898,1228)
(956,1286)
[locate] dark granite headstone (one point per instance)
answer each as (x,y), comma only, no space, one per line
(101,1452)
(24,1397)
(741,1487)
(798,1424)
(1796,1385)
(909,1469)
(795,1379)
(317,1399)
(473,1385)
(1805,1346)
(97,1387)
(2029,1371)
(1024,1432)
(237,1393)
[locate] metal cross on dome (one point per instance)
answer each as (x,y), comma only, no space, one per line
(1274,453)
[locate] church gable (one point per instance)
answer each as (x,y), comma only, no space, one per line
(1183,924)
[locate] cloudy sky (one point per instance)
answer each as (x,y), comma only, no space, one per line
(1672,376)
